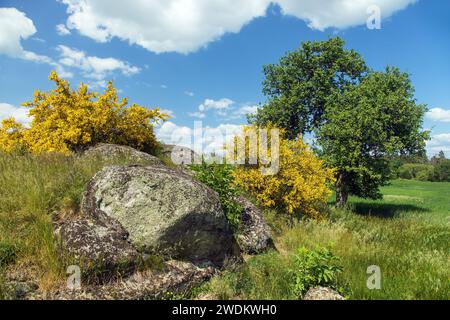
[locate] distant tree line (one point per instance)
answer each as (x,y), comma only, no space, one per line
(436,169)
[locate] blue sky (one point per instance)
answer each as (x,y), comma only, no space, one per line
(202,60)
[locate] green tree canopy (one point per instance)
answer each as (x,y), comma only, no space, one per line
(366,125)
(300,84)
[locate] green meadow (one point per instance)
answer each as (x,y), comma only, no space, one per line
(407,235)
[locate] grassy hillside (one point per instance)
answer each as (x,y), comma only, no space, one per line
(407,234)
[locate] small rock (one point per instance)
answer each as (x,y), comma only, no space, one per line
(255,236)
(180,155)
(322,293)
(109,152)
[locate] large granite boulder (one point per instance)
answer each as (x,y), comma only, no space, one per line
(111,152)
(255,236)
(163,211)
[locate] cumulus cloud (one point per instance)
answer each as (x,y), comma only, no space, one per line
(439,114)
(203,140)
(439,142)
(189,93)
(91,66)
(19,113)
(221,106)
(341,14)
(185,26)
(62,30)
(245,110)
(162,25)
(15,26)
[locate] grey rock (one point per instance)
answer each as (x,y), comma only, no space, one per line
(322,293)
(110,152)
(255,236)
(19,290)
(176,278)
(180,155)
(101,251)
(163,210)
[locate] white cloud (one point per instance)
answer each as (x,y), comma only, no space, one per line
(197,114)
(91,66)
(171,113)
(163,86)
(245,110)
(238,112)
(15,26)
(162,25)
(62,30)
(171,133)
(18,113)
(203,140)
(439,114)
(439,142)
(189,93)
(185,26)
(341,14)
(210,104)
(221,106)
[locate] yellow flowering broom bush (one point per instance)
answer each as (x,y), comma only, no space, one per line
(11,135)
(299,186)
(65,120)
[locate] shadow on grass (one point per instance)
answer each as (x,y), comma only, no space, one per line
(384,210)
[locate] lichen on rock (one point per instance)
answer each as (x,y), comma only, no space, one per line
(163,210)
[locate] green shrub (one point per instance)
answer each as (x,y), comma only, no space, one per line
(314,268)
(218,177)
(416,171)
(442,171)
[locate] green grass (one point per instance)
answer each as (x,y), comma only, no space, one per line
(426,200)
(407,235)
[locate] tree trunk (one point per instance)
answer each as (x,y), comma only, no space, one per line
(342,191)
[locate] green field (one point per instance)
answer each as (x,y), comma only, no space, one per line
(407,234)
(407,198)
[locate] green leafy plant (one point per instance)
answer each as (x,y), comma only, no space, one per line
(313,268)
(219,178)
